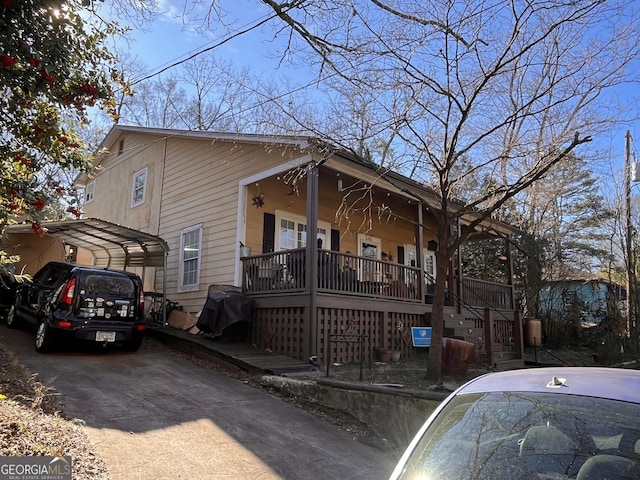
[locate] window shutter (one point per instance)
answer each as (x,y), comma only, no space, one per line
(268,233)
(335,240)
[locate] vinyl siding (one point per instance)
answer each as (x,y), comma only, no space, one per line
(193,181)
(114,183)
(201,185)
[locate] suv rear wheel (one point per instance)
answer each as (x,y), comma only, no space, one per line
(44,342)
(133,345)
(12,318)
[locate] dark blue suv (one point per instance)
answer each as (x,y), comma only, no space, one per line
(81,303)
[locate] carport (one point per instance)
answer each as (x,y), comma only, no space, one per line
(112,245)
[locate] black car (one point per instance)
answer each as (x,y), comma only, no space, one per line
(81,303)
(8,287)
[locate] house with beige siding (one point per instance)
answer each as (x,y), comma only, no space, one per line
(327,247)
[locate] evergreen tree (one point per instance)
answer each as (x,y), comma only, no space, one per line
(54,66)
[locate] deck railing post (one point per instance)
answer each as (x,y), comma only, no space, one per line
(518,339)
(489,334)
(312,259)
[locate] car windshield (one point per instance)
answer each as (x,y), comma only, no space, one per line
(529,436)
(107,285)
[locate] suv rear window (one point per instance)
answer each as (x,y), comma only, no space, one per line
(107,285)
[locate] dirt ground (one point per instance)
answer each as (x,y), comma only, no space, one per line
(411,372)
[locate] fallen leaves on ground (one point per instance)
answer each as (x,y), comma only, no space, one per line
(32,425)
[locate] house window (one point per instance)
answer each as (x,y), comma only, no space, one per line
(569,298)
(292,234)
(430,267)
(429,262)
(190,256)
(139,188)
(89,192)
(292,231)
(121,146)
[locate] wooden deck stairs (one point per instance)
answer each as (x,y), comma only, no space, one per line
(505,359)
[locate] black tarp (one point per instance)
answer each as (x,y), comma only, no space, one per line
(226,315)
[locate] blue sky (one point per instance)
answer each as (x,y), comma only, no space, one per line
(169,39)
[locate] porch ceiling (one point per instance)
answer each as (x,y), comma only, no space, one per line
(112,245)
(407,188)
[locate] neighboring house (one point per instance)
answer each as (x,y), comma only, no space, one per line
(238,210)
(583,298)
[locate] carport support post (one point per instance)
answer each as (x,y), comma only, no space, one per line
(312,257)
(164,290)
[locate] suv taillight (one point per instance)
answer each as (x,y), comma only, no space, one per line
(141,303)
(67,292)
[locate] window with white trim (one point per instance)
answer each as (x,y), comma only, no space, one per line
(429,262)
(370,248)
(139,188)
(190,257)
(89,192)
(430,266)
(292,231)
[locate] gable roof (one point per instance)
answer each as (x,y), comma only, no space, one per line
(336,159)
(568,274)
(302,142)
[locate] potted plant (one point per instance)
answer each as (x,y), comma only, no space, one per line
(384,354)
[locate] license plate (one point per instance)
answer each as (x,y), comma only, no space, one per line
(105,336)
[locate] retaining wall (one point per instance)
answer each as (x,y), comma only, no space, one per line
(389,413)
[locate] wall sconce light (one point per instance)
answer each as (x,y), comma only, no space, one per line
(339,184)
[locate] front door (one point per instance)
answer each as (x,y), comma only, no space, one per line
(429,262)
(370,249)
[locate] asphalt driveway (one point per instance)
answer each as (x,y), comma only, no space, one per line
(153,414)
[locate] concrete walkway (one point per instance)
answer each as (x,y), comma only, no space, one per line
(392,415)
(153,415)
(241,355)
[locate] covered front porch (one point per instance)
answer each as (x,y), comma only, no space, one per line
(341,262)
(360,305)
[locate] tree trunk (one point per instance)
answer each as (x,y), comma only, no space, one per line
(434,368)
(443,261)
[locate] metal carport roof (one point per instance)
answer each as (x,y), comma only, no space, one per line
(112,245)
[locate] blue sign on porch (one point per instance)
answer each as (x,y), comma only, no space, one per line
(421,336)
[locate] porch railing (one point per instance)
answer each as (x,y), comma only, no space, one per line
(483,294)
(337,272)
(284,272)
